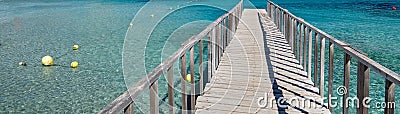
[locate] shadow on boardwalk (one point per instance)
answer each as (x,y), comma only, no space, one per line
(286,74)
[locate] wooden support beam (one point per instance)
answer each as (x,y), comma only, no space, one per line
(316,60)
(129,109)
(322,67)
(171,89)
(192,85)
(330,78)
(183,84)
(209,57)
(304,48)
(346,82)
(154,98)
(389,97)
(363,79)
(309,53)
(201,81)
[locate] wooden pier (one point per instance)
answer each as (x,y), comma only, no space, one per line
(257,61)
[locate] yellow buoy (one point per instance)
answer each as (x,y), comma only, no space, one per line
(152,15)
(22,63)
(47,61)
(74,64)
(75,47)
(130,25)
(189,78)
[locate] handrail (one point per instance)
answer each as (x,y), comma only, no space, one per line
(218,33)
(294,29)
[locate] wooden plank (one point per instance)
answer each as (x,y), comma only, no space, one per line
(322,67)
(154,98)
(330,78)
(362,87)
(171,89)
(389,97)
(346,82)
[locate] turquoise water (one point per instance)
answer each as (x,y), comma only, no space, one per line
(33,29)
(370,26)
(30,30)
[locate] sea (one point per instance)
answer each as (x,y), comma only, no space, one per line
(120,41)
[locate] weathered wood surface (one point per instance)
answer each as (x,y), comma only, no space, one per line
(258,63)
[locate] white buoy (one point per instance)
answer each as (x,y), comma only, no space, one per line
(22,63)
(47,61)
(74,64)
(75,47)
(189,78)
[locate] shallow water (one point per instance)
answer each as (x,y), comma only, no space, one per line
(31,30)
(370,26)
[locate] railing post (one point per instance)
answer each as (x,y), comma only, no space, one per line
(362,87)
(183,84)
(291,33)
(129,109)
(279,19)
(309,53)
(295,38)
(316,60)
(217,44)
(304,48)
(192,85)
(273,14)
(269,9)
(223,35)
(330,78)
(209,57)
(201,81)
(389,97)
(171,89)
(300,54)
(230,25)
(346,82)
(154,98)
(285,23)
(322,68)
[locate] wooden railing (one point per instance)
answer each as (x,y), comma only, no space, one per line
(217,35)
(299,34)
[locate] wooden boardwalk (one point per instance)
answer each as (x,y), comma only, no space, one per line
(256,71)
(259,63)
